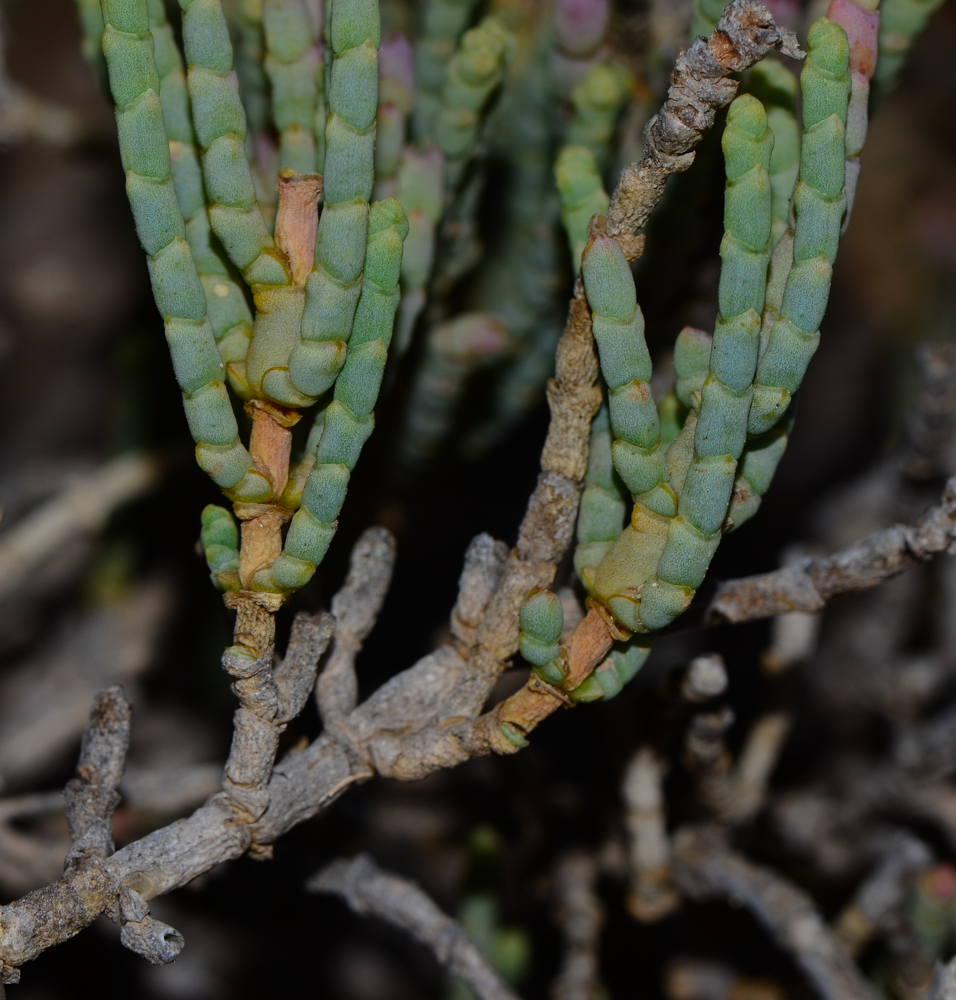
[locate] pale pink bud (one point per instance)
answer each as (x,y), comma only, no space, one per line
(580,25)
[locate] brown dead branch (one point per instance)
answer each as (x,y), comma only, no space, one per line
(92,797)
(705,867)
(809,584)
(82,508)
(580,914)
(651,896)
(370,891)
(700,86)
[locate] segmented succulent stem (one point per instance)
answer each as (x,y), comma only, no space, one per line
(819,205)
(596,102)
(901,23)
(334,286)
(452,353)
(776,87)
(219,539)
(292,63)
(604,502)
(226,303)
(348,420)
(582,195)
(179,295)
(396,97)
(442,24)
(474,73)
(220,123)
(91,37)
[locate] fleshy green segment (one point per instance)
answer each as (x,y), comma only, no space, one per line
(603,510)
(334,287)
(776,87)
(649,575)
(901,23)
(725,396)
(620,667)
(91,28)
(348,419)
(473,74)
(219,539)
(226,304)
(220,124)
(705,15)
(819,205)
(596,103)
(637,453)
(442,24)
(541,619)
(582,195)
(292,64)
(144,150)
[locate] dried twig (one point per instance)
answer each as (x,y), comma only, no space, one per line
(652,894)
(82,508)
(735,794)
(700,86)
(370,891)
(92,796)
(882,892)
(699,979)
(809,584)
(356,608)
(704,867)
(580,914)
(45,701)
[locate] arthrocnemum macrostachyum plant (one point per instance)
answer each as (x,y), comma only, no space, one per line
(326,292)
(685,469)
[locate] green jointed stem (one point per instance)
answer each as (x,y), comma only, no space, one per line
(443,22)
(91,28)
(179,295)
(226,304)
(649,603)
(901,23)
(473,74)
(334,286)
(421,191)
(705,15)
(597,101)
(253,84)
(541,619)
(582,195)
(819,205)
(220,543)
(292,63)
(220,124)
(604,502)
(637,452)
(348,419)
(620,667)
(776,87)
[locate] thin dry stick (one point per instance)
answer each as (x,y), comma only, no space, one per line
(372,892)
(882,892)
(82,508)
(705,867)
(580,914)
(356,608)
(810,583)
(91,797)
(735,795)
(652,894)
